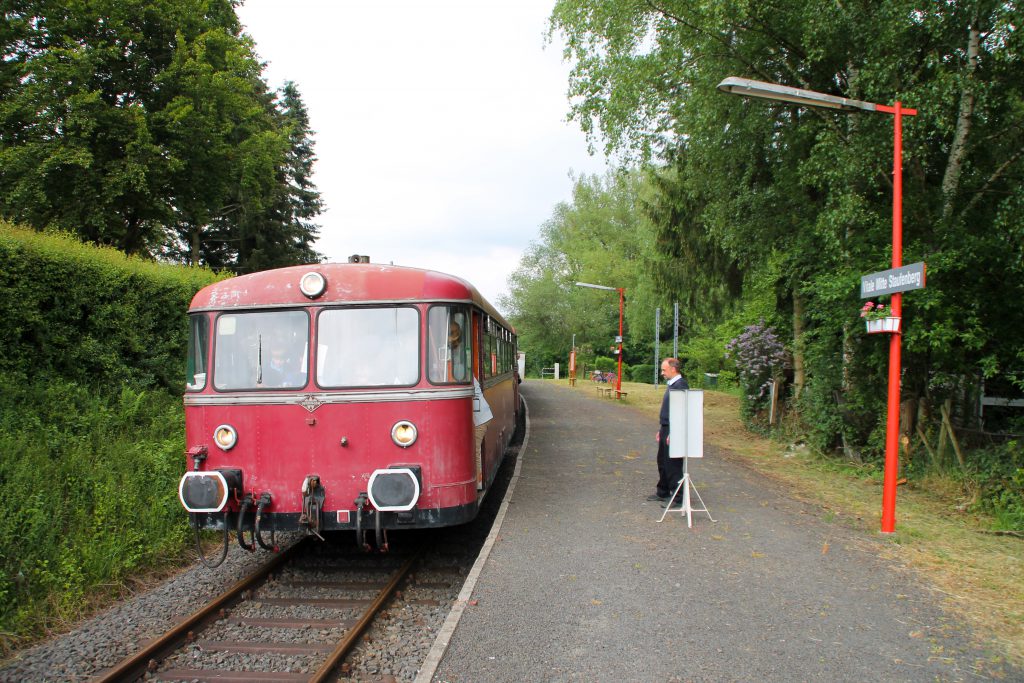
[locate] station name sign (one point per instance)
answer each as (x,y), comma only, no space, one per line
(902,279)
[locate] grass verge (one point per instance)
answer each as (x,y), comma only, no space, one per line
(980,575)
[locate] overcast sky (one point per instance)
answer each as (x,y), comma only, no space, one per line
(439,126)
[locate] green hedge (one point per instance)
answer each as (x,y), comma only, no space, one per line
(643,372)
(91,315)
(92,353)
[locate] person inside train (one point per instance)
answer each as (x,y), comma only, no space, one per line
(280,371)
(454,334)
(456,355)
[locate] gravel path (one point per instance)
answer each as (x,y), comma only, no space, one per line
(585,585)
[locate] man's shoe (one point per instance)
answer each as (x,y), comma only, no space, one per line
(655,496)
(673,506)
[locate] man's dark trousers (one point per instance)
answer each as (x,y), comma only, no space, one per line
(670,470)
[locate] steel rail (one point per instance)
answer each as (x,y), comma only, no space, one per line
(353,636)
(134,666)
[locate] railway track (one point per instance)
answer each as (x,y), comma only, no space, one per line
(295,619)
(394,647)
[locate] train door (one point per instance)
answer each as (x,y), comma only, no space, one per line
(476,345)
(480,433)
(516,378)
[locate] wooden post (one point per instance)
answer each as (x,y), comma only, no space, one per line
(941,448)
(948,424)
(774,402)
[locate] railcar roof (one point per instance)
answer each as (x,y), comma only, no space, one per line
(346,283)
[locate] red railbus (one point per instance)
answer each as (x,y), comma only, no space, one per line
(343,397)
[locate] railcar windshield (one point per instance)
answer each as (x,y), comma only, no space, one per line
(368,347)
(198,341)
(261,350)
(449,355)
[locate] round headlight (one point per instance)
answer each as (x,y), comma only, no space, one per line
(225,437)
(313,284)
(403,433)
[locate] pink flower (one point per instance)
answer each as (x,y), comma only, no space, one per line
(873,311)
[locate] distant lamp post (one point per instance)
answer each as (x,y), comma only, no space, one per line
(622,300)
(809,98)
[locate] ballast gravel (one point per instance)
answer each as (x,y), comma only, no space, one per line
(393,649)
(105,640)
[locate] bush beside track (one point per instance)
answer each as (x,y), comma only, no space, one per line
(91,425)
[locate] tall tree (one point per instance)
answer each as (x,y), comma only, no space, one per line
(599,238)
(140,124)
(804,196)
(688,264)
(286,232)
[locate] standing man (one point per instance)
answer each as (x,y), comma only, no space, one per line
(670,470)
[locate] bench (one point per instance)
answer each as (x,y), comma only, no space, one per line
(605,391)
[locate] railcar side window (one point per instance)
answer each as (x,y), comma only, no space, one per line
(195,364)
(368,347)
(449,353)
(485,348)
(265,350)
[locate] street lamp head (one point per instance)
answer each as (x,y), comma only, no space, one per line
(783,93)
(587,284)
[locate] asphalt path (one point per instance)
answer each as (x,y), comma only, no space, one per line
(584,584)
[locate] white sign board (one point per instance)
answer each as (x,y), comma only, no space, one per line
(902,279)
(686,424)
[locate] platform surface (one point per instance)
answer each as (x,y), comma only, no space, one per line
(583,584)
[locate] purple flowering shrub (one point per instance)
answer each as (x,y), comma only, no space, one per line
(759,356)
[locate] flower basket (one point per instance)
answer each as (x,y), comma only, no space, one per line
(888,325)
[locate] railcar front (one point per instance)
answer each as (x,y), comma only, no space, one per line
(341,397)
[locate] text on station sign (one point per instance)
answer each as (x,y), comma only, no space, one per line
(902,279)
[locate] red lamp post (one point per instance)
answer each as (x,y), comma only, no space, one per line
(622,303)
(810,98)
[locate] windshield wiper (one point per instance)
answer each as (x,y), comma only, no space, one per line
(259,359)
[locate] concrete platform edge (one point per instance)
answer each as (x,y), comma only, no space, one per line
(440,646)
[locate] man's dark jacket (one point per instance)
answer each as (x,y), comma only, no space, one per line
(679,385)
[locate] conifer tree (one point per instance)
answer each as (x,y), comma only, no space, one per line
(147,125)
